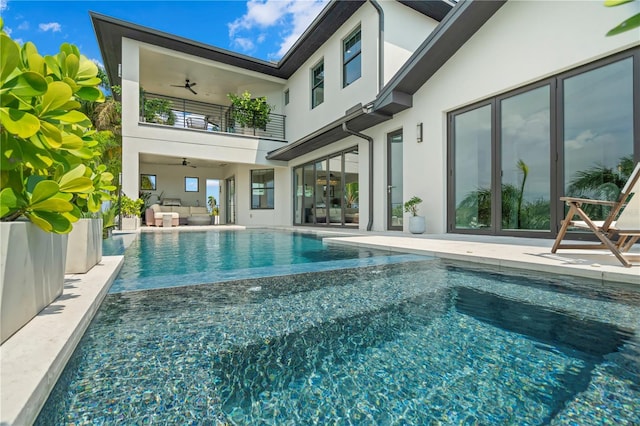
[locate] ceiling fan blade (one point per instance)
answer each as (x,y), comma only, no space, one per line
(192,84)
(176,85)
(192,91)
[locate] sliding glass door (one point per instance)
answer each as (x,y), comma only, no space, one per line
(513,156)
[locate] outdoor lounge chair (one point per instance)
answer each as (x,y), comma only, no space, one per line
(621,228)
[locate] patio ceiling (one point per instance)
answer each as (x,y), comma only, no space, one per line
(160,70)
(177,161)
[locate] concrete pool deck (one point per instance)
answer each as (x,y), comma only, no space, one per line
(32,360)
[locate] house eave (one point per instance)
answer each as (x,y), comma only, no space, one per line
(357,119)
(448,37)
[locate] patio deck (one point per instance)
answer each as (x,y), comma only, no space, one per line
(33,359)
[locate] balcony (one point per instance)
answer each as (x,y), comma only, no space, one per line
(203,116)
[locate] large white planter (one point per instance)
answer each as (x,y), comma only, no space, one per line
(417,225)
(32,273)
(130,223)
(84,249)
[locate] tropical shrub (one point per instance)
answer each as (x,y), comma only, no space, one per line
(48,163)
(249,112)
(130,207)
(411,206)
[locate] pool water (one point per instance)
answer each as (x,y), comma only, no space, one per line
(414,343)
(167,259)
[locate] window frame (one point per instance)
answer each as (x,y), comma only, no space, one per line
(186,185)
(266,189)
(286,97)
(358,55)
(556,85)
(153,180)
(318,85)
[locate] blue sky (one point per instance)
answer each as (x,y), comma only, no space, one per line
(263,29)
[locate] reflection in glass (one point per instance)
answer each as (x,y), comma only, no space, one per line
(598,133)
(308,195)
(298,185)
(351,189)
(148,182)
(335,189)
(472,133)
(321,191)
(191,184)
(395,183)
(525,143)
(231,200)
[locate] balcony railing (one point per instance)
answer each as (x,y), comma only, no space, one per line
(211,117)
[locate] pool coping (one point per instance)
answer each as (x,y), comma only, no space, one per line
(520,254)
(33,358)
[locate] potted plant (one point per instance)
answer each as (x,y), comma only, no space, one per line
(416,223)
(47,175)
(130,210)
(249,112)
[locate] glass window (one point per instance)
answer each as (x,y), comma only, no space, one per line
(262,187)
(505,177)
(326,191)
(351,59)
(148,182)
(598,133)
(286,97)
(525,142)
(191,184)
(472,162)
(317,85)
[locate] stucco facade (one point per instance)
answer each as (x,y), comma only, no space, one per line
(520,43)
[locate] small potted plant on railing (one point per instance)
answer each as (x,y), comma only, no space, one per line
(416,223)
(249,112)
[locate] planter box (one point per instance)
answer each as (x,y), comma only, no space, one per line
(417,225)
(84,249)
(130,223)
(32,273)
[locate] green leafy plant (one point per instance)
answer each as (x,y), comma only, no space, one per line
(411,206)
(156,110)
(109,219)
(351,194)
(48,164)
(628,24)
(249,112)
(213,206)
(130,207)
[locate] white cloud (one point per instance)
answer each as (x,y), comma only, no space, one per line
(51,26)
(8,31)
(3,5)
(244,43)
(286,18)
(24,25)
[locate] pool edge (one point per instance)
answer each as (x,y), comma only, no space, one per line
(32,359)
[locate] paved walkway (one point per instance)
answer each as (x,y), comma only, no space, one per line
(33,359)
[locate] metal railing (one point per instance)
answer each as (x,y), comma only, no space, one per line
(211,117)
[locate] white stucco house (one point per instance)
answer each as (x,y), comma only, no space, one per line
(487,110)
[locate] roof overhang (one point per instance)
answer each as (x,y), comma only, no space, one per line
(110,31)
(356,118)
(448,37)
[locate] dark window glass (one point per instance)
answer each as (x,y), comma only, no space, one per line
(317,82)
(352,67)
(262,187)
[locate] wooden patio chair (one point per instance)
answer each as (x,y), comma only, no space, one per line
(618,232)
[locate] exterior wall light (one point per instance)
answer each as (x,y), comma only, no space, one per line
(419,133)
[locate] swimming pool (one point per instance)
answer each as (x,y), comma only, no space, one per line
(167,259)
(419,342)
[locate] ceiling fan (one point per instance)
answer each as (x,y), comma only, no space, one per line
(186,162)
(187,86)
